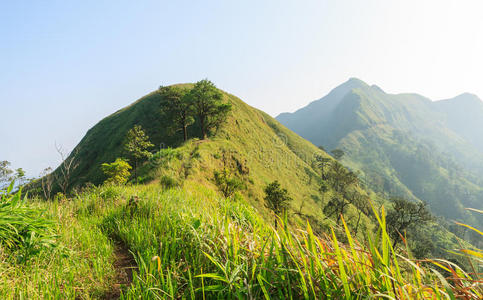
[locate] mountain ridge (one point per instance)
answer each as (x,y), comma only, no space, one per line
(379,130)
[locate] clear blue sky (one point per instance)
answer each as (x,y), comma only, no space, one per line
(65,65)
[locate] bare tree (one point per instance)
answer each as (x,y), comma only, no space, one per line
(47,182)
(66,168)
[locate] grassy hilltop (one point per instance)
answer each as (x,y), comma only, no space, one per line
(261,148)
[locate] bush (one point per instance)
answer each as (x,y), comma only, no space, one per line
(109,192)
(168,182)
(117,171)
(227,184)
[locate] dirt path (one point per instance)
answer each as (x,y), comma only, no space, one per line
(124,264)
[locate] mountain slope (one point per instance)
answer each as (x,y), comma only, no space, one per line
(260,148)
(404,144)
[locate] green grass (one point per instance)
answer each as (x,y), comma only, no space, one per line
(190,243)
(78,265)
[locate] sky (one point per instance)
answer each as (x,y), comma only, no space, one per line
(64,65)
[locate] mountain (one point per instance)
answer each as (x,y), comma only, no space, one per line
(404,144)
(464,115)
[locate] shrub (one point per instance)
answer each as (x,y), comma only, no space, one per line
(117,171)
(109,192)
(227,184)
(23,228)
(168,182)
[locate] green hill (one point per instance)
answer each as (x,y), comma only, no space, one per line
(259,146)
(405,144)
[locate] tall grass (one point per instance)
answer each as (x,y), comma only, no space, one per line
(189,243)
(24,230)
(195,245)
(76,265)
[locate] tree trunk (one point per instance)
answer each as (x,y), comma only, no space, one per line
(185,133)
(203,129)
(136,170)
(358,219)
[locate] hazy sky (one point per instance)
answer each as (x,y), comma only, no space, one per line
(66,65)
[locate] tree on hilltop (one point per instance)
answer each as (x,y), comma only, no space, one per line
(177,105)
(208,106)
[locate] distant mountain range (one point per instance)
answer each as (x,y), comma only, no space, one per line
(403,144)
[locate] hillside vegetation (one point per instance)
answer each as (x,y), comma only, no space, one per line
(251,145)
(404,145)
(194,220)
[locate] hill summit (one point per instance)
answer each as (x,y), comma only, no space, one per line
(258,149)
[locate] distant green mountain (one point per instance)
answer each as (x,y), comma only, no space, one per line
(404,144)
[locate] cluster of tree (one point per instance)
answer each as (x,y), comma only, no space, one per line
(204,103)
(404,218)
(7,175)
(136,145)
(48,181)
(344,184)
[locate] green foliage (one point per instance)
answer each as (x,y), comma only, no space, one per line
(406,215)
(337,153)
(117,171)
(209,106)
(168,182)
(5,173)
(23,228)
(188,243)
(227,183)
(224,250)
(79,266)
(277,198)
(109,192)
(228,180)
(136,144)
(177,105)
